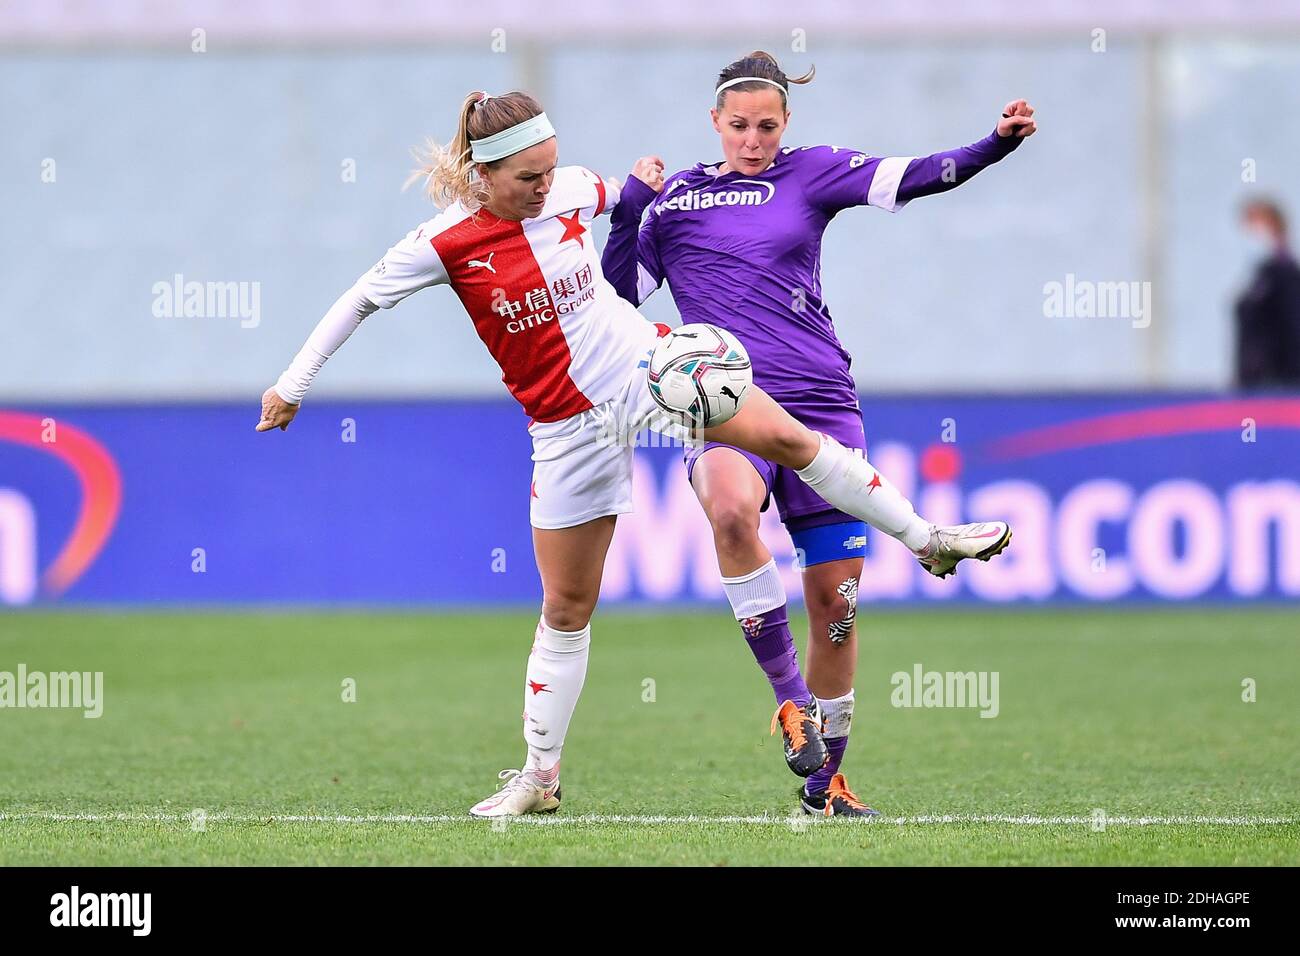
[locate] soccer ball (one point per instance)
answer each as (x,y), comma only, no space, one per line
(700,374)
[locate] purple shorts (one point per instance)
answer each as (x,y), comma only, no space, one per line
(797,504)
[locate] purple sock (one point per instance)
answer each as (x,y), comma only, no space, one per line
(821,779)
(769,639)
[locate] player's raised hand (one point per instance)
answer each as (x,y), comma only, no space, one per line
(276,412)
(650,170)
(1017,120)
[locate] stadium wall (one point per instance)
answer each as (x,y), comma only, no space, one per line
(130,172)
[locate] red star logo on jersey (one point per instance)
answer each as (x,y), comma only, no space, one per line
(573,229)
(537,688)
(875,481)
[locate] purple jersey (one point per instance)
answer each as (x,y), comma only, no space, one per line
(744,252)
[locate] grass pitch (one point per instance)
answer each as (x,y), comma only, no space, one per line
(225,739)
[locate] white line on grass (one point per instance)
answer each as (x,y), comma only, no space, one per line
(631,819)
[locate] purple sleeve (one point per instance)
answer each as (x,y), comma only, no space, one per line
(631,257)
(836,178)
(927,175)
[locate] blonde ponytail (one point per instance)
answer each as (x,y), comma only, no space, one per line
(447,171)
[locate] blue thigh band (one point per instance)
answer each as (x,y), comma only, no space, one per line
(830,542)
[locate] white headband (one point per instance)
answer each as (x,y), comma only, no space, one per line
(748,79)
(510,141)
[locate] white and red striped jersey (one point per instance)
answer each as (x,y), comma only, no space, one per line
(563,337)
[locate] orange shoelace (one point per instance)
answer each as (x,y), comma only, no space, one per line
(791,719)
(840,788)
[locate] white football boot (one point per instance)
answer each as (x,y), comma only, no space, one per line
(521,793)
(954,543)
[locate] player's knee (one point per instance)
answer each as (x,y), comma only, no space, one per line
(833,609)
(823,608)
(734,522)
(568,610)
(791,444)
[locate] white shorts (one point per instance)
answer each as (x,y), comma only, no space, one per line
(582,466)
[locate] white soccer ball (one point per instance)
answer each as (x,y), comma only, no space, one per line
(700,374)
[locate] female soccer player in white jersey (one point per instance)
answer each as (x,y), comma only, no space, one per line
(513,242)
(739,242)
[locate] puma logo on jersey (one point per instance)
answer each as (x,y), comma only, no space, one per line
(483,264)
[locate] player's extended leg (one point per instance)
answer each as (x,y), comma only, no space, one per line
(831,595)
(732,492)
(853,485)
(570,561)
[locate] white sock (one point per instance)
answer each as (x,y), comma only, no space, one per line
(838,712)
(557,668)
(755,593)
(852,484)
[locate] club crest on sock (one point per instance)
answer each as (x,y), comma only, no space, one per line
(752,626)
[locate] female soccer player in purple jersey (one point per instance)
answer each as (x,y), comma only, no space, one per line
(739,243)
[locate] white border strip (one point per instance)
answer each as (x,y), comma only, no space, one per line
(49,816)
(883,191)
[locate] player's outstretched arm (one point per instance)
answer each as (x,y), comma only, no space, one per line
(281,401)
(631,258)
(408,266)
(929,175)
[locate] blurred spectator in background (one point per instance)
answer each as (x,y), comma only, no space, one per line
(1268,311)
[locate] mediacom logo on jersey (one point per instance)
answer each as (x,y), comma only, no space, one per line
(729,195)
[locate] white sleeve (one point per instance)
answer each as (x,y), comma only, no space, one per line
(603,194)
(613,193)
(410,265)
